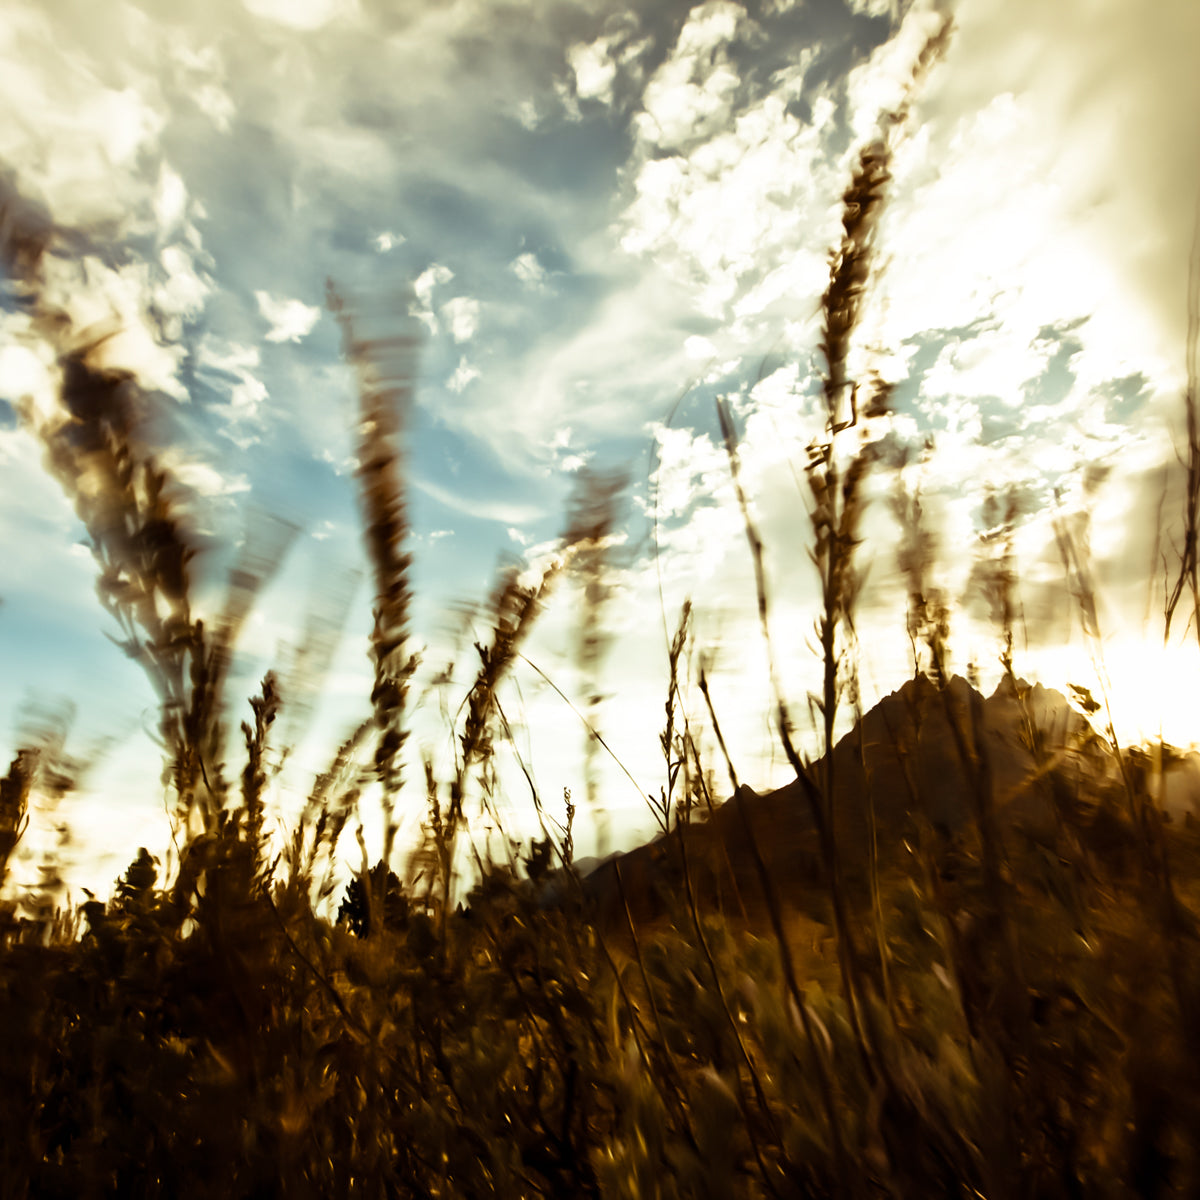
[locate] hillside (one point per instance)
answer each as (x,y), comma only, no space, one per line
(899,762)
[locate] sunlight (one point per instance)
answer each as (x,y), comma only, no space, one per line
(1154,690)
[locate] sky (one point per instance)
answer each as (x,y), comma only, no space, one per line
(600,218)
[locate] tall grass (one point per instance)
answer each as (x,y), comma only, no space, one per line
(1008,1006)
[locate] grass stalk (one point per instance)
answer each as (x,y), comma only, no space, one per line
(385,368)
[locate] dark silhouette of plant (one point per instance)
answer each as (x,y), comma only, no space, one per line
(592,523)
(385,368)
(384,907)
(14,803)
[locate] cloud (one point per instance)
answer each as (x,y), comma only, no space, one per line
(528,270)
(736,207)
(992,362)
(290,320)
(232,370)
(180,293)
(79,136)
(600,375)
(598,65)
(1034,196)
(306,15)
(432,277)
(388,240)
(1029,196)
(127,304)
(884,82)
(528,115)
(594,70)
(201,477)
(201,75)
(690,467)
(464,375)
(24,371)
(690,96)
(170,200)
(502,511)
(462,315)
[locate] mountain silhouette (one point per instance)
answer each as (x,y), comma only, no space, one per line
(920,756)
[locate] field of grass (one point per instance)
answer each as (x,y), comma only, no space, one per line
(873,983)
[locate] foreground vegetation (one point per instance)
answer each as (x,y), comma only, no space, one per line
(1003,1004)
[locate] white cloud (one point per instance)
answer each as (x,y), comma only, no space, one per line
(221,355)
(464,375)
(388,240)
(124,123)
(230,369)
(597,64)
(508,513)
(528,270)
(689,468)
(23,372)
(462,314)
(596,378)
(183,291)
(341,464)
(568,100)
(883,82)
(743,217)
(995,362)
(246,397)
(355,154)
(527,114)
(306,15)
(170,200)
(216,104)
(1016,195)
(290,320)
(96,297)
(201,477)
(690,96)
(78,135)
(778,392)
(594,69)
(432,277)
(200,72)
(1032,198)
